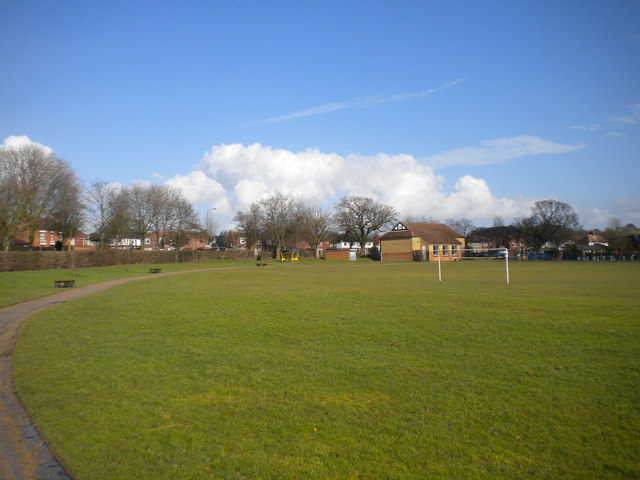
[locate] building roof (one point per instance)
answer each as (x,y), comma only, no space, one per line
(592,238)
(434,233)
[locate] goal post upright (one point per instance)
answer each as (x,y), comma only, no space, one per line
(506,264)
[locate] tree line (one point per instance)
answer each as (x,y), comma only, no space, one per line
(282,220)
(38,190)
(140,211)
(550,222)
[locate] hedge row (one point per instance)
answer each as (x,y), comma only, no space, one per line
(16,261)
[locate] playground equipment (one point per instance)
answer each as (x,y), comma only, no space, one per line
(292,255)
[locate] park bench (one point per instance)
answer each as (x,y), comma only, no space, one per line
(64,283)
(155,270)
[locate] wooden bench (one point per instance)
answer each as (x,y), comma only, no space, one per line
(155,270)
(64,283)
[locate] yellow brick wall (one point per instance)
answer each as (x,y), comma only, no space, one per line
(396,246)
(402,249)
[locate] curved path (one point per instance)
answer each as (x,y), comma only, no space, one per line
(24,455)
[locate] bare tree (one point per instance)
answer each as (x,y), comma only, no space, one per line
(550,221)
(461,225)
(184,222)
(99,197)
(316,226)
(119,217)
(362,216)
(164,201)
(615,225)
(67,212)
(250,223)
(31,179)
(281,220)
(419,219)
(498,221)
(621,238)
(211,227)
(141,211)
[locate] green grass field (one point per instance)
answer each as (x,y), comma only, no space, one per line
(22,286)
(337,370)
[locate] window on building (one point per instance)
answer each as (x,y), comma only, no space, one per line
(436,250)
(147,241)
(445,250)
(43,237)
(454,250)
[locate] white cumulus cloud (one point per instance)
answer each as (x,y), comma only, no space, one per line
(230,177)
(14,141)
(198,187)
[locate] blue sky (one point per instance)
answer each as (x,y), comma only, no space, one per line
(442,109)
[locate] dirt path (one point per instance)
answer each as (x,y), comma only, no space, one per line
(24,455)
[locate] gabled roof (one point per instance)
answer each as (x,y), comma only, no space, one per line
(434,233)
(592,237)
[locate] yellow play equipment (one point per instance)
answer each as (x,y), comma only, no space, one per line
(293,255)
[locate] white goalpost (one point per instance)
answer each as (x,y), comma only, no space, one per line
(484,254)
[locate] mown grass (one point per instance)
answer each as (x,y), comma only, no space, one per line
(22,286)
(327,370)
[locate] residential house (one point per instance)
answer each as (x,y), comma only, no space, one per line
(42,239)
(237,240)
(592,243)
(507,237)
(409,241)
(50,240)
(343,245)
(81,241)
(479,243)
(125,243)
(515,245)
(322,248)
(196,241)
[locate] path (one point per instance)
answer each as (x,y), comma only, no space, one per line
(24,455)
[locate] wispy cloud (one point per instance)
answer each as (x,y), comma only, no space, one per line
(499,151)
(365,102)
(631,118)
(586,128)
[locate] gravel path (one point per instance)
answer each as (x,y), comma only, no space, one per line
(24,455)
